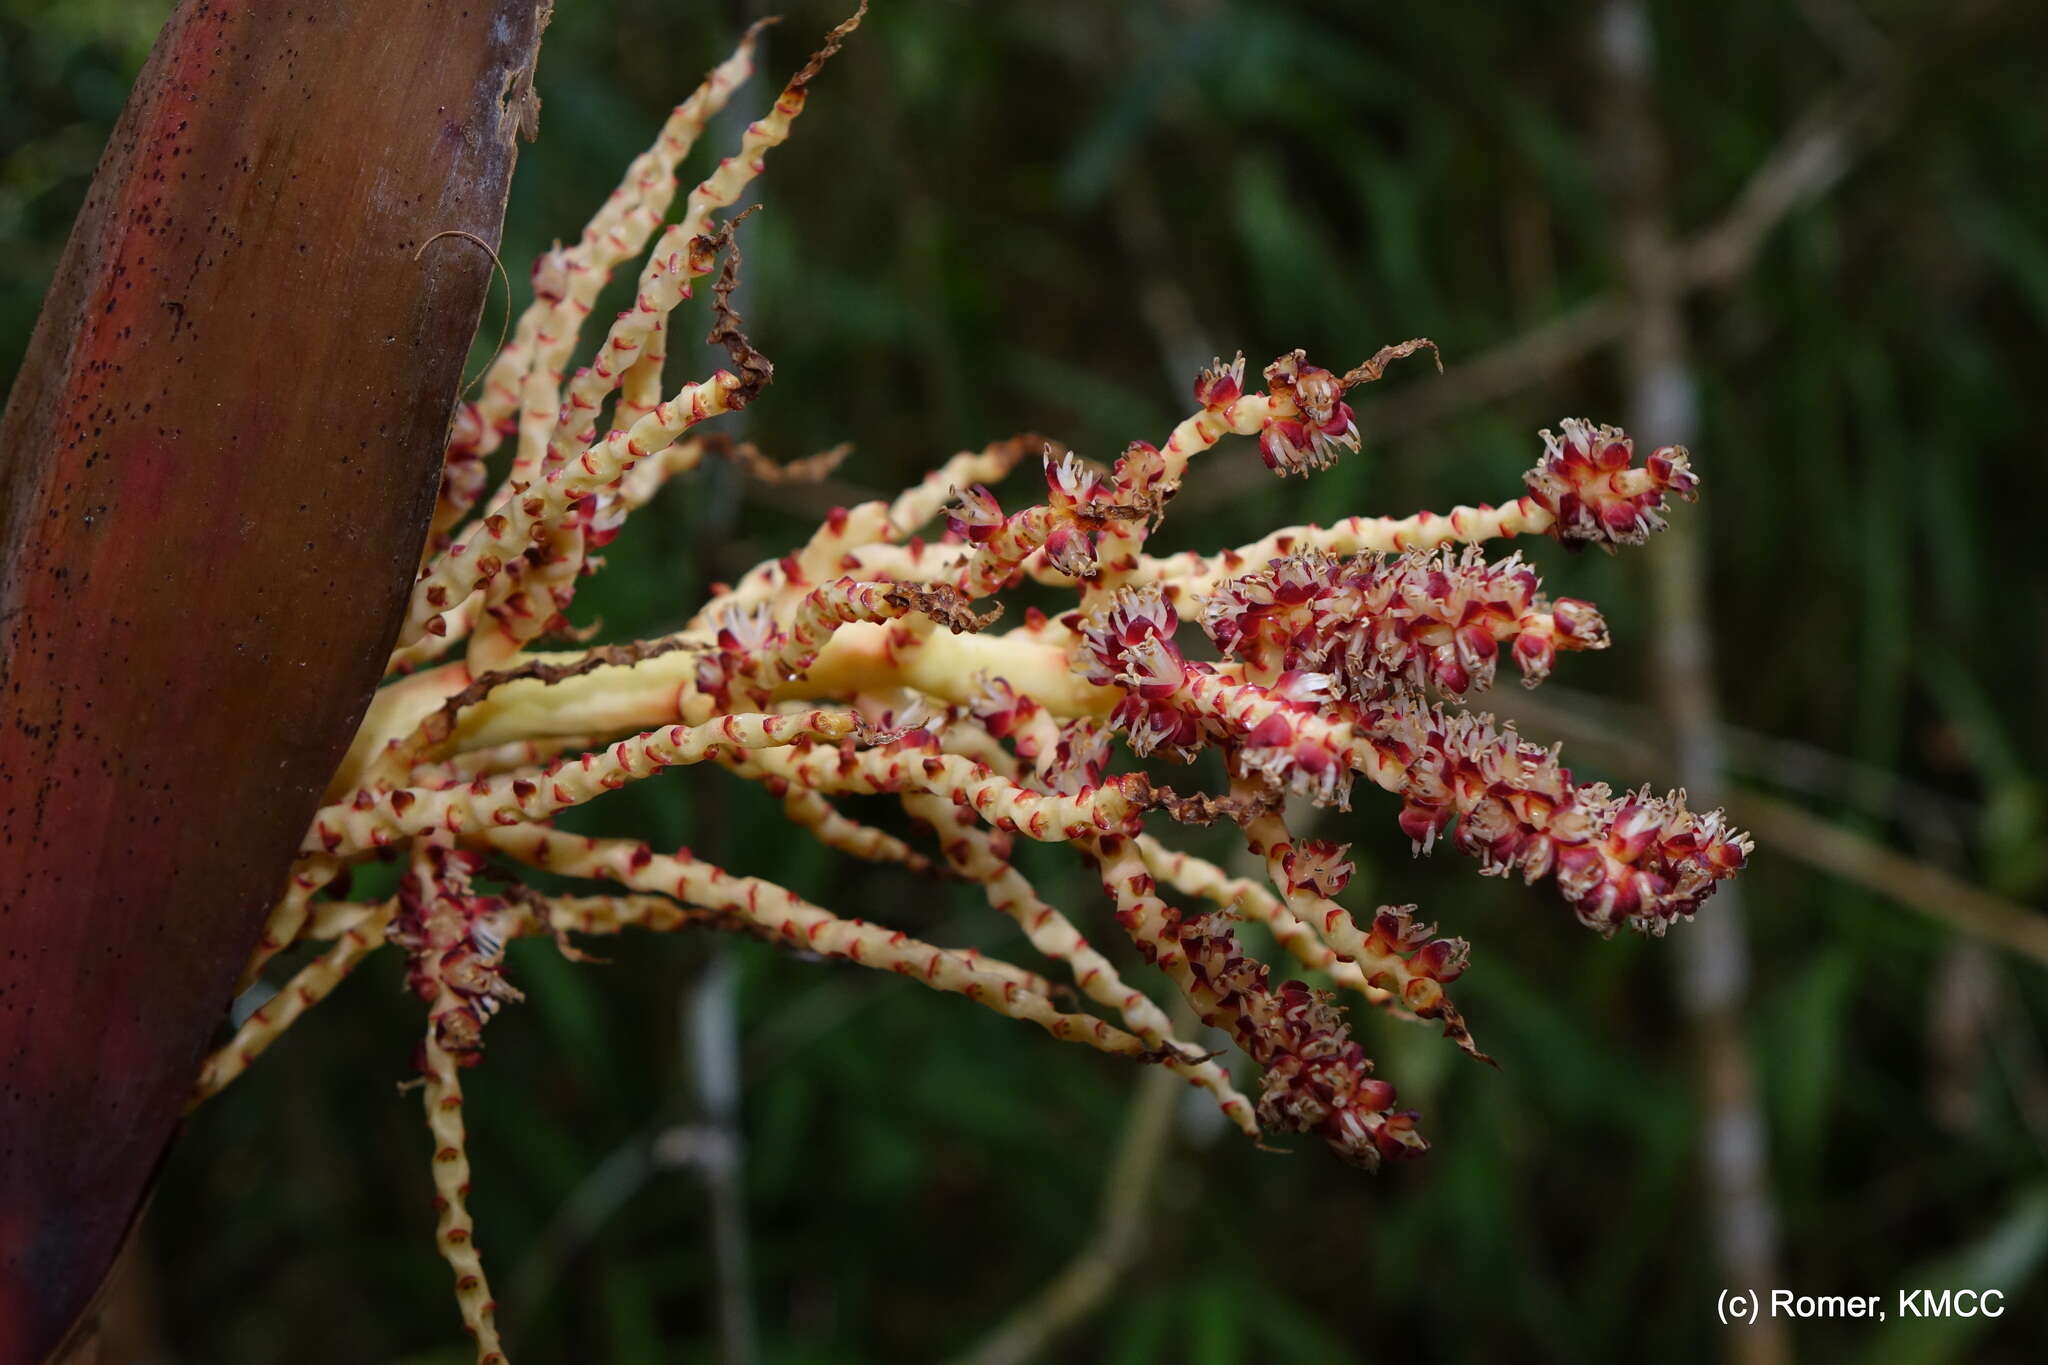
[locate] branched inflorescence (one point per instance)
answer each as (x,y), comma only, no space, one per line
(860,665)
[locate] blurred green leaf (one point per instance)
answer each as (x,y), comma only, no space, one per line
(2006,1258)
(1799,1048)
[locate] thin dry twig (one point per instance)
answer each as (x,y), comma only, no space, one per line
(1947,899)
(1082,1286)
(1818,151)
(1791,764)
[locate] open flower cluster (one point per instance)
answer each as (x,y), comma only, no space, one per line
(860,664)
(1374,624)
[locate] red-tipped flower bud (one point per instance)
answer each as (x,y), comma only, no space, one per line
(1220,385)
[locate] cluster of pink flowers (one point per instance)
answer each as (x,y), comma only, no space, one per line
(1323,428)
(1131,648)
(1326,661)
(454,940)
(1638,860)
(745,636)
(1586,480)
(1373,622)
(1065,533)
(1316,1078)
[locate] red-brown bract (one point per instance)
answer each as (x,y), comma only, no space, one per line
(859,664)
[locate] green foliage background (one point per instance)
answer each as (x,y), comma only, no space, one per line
(998,218)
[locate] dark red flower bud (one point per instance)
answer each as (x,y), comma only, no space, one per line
(1220,385)
(1285,446)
